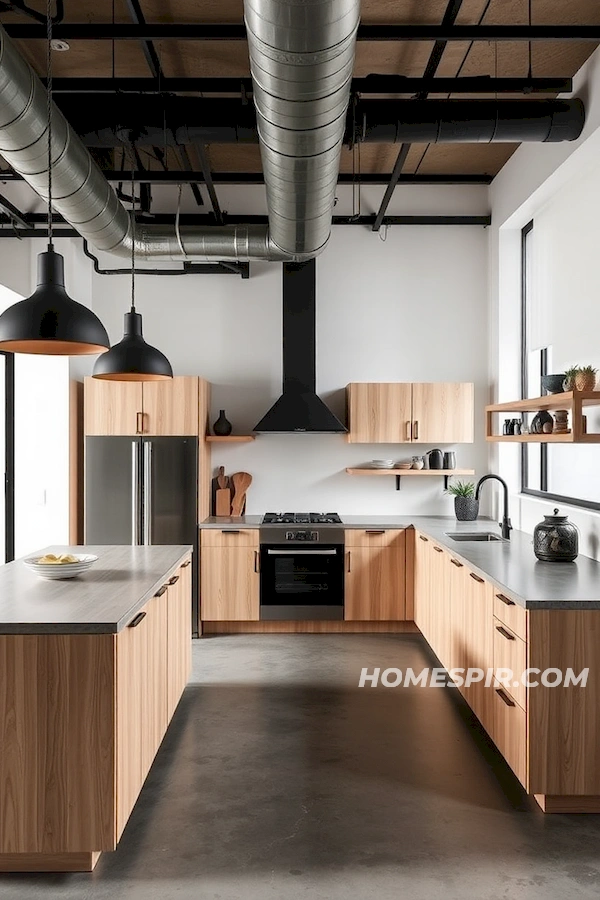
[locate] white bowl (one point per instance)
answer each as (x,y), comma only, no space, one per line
(382,463)
(60,571)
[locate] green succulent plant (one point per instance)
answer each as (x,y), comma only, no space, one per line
(461,489)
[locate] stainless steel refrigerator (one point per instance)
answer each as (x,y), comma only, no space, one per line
(142,491)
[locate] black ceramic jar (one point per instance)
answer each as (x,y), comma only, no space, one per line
(556,539)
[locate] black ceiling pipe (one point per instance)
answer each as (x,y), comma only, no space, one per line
(149,122)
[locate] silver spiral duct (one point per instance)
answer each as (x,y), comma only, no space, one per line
(302,56)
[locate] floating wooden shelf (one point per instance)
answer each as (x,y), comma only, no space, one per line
(573,401)
(401,473)
(230,438)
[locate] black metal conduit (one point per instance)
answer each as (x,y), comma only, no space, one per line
(148,121)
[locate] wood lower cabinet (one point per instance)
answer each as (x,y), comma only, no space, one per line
(164,409)
(398,413)
(422,581)
(509,730)
(81,719)
(230,577)
(473,637)
(375,576)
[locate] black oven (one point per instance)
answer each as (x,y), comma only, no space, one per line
(301,574)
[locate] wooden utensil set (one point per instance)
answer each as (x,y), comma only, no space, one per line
(230,494)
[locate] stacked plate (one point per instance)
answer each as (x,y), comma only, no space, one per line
(56,571)
(382,463)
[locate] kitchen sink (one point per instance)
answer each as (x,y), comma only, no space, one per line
(488,536)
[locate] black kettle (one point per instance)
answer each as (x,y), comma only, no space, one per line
(436,459)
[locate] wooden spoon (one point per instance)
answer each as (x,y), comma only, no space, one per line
(241,482)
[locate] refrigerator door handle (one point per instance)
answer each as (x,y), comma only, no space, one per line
(147,492)
(135,494)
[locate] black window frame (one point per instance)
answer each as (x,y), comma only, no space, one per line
(9,479)
(544,493)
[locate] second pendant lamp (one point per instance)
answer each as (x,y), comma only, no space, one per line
(132,359)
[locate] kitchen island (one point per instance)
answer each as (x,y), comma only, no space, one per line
(91,671)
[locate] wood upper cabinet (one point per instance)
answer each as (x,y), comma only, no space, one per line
(112,407)
(442,413)
(399,413)
(375,576)
(161,408)
(230,579)
(379,413)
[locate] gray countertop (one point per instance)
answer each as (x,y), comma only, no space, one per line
(511,566)
(100,601)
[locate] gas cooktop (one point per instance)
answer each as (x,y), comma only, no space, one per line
(289,518)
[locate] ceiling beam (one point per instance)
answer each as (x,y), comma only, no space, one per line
(372,84)
(237,32)
(345,178)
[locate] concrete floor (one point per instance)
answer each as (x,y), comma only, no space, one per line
(280,778)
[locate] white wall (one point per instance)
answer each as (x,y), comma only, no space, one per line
(411,308)
(558,186)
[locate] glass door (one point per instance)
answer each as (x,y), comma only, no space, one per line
(7,442)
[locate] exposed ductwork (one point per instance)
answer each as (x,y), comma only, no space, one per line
(155,120)
(302,57)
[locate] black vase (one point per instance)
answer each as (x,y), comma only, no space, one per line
(222,426)
(466,509)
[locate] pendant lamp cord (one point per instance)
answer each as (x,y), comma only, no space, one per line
(49,111)
(133,232)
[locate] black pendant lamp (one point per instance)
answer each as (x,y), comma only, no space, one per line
(49,321)
(132,359)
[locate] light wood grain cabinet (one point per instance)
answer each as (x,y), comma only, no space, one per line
(473,635)
(375,589)
(401,413)
(162,409)
(230,577)
(179,635)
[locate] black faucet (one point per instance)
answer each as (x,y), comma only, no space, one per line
(505,524)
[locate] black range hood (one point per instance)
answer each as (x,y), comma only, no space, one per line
(299,409)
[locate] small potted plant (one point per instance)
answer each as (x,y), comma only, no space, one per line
(466,507)
(580,378)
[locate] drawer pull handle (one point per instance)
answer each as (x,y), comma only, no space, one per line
(256,566)
(161,591)
(174,579)
(423,538)
(136,621)
(506,600)
(504,697)
(456,563)
(373,531)
(230,531)
(438,549)
(187,563)
(349,564)
(475,577)
(506,634)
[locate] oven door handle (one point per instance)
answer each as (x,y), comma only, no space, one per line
(294,552)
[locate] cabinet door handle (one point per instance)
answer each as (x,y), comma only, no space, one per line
(139,423)
(423,538)
(174,579)
(146,423)
(409,431)
(256,561)
(506,634)
(136,620)
(416,430)
(374,531)
(438,549)
(456,563)
(506,600)
(475,577)
(161,591)
(349,566)
(187,563)
(504,697)
(230,531)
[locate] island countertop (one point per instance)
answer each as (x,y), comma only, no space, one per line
(100,601)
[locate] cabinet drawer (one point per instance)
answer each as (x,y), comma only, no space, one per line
(230,537)
(508,611)
(372,537)
(510,732)
(510,652)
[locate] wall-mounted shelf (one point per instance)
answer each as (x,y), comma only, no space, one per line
(411,473)
(573,401)
(230,438)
